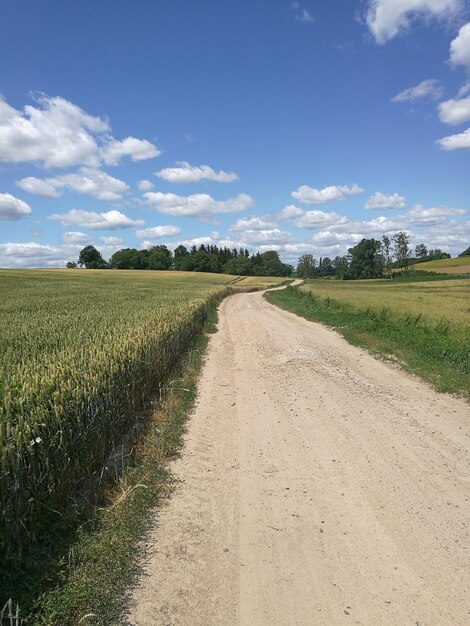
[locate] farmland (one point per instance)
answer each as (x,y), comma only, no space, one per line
(423,324)
(80,351)
(459,265)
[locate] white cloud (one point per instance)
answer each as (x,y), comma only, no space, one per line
(112,241)
(88,181)
(422,216)
(265,237)
(386,18)
(187,173)
(455,142)
(309,195)
(136,149)
(460,47)
(426,89)
(31,254)
(158,231)
(312,219)
(39,187)
(381,201)
(58,133)
(454,111)
(75,238)
(197,205)
(145,185)
(252,223)
(12,208)
(329,239)
(110,220)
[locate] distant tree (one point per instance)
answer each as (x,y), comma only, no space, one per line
(465,252)
(387,254)
(70,265)
(240,266)
(341,266)
(421,251)
(91,258)
(401,247)
(180,254)
(159,258)
(306,266)
(367,260)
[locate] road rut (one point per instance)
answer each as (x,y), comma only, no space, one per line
(318,486)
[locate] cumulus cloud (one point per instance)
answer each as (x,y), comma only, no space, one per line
(197,205)
(455,142)
(112,241)
(31,254)
(381,201)
(145,185)
(186,173)
(58,133)
(136,149)
(454,111)
(265,237)
(311,219)
(110,220)
(75,238)
(12,208)
(88,181)
(420,215)
(309,195)
(387,18)
(426,89)
(460,47)
(158,231)
(252,223)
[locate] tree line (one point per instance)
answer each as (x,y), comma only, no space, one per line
(370,258)
(204,258)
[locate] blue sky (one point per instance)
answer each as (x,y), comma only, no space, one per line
(296,126)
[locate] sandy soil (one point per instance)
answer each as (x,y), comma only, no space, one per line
(318,486)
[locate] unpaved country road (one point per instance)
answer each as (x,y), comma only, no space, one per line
(319,486)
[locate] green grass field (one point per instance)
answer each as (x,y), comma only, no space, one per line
(433,299)
(460,265)
(424,324)
(81,351)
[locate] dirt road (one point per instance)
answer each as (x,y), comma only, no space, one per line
(319,486)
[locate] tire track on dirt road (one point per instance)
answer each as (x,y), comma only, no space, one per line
(318,486)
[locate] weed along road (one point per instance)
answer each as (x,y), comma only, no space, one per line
(318,486)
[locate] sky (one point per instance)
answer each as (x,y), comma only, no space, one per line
(297,126)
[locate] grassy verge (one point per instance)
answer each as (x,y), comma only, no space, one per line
(430,349)
(86,577)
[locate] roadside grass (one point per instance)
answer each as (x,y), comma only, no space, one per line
(436,349)
(88,583)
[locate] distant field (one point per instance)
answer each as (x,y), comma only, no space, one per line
(460,265)
(434,300)
(79,351)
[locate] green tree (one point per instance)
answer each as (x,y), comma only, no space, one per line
(91,258)
(306,266)
(70,265)
(159,258)
(401,247)
(239,266)
(367,260)
(421,251)
(387,254)
(465,252)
